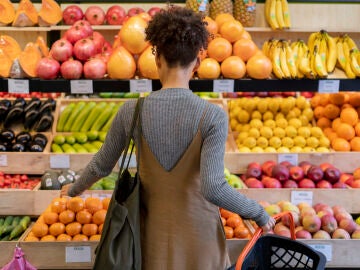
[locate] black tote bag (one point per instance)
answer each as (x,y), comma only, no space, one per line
(120,246)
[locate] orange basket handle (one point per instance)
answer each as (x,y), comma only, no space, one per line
(249,245)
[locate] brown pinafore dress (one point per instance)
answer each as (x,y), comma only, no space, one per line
(180,229)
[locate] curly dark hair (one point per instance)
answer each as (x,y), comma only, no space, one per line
(178,34)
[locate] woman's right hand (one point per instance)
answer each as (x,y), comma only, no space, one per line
(65,190)
(269,225)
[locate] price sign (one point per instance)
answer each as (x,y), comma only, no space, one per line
(140,86)
(59,161)
(223,86)
(329,86)
(79,254)
(81,87)
(3,161)
(302,196)
(324,249)
(16,86)
(292,158)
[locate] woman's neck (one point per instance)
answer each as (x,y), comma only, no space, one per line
(175,78)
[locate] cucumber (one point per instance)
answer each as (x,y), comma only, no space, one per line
(67,148)
(56,148)
(17,231)
(80,137)
(65,114)
(74,114)
(90,148)
(97,144)
(111,118)
(7,229)
(80,119)
(2,221)
(8,220)
(24,222)
(70,139)
(16,221)
(92,135)
(95,112)
(79,148)
(103,117)
(59,139)
(5,238)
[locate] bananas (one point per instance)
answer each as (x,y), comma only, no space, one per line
(347,56)
(277,14)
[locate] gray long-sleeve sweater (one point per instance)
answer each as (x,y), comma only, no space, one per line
(170,120)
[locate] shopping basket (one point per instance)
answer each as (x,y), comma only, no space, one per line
(272,251)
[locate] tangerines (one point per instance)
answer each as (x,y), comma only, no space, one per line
(40,229)
(66,216)
(209,69)
(50,217)
(335,123)
(234,221)
(222,18)
(58,205)
(349,116)
(80,237)
(89,229)
(318,112)
(48,238)
(57,228)
(315,101)
(99,217)
(231,30)
(354,99)
(331,111)
(105,203)
(75,204)
(245,49)
(229,232)
(223,221)
(340,144)
(345,131)
(225,213)
(337,98)
(245,34)
(31,239)
(219,49)
(323,123)
(324,99)
(83,217)
(233,67)
(93,204)
(357,129)
(241,232)
(95,237)
(355,144)
(211,25)
(63,237)
(73,228)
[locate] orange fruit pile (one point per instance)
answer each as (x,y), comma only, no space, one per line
(71,219)
(338,116)
(234,226)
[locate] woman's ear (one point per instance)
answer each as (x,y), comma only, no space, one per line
(197,64)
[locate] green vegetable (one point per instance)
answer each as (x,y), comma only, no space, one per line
(56,148)
(24,222)
(18,230)
(64,116)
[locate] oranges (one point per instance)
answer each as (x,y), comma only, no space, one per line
(72,219)
(234,226)
(219,49)
(245,49)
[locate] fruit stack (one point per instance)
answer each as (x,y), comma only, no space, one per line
(338,116)
(277,124)
(70,219)
(320,221)
(234,225)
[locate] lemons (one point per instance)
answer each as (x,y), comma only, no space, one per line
(287,142)
(270,123)
(283,149)
(249,142)
(245,127)
(266,132)
(243,116)
(256,123)
(257,149)
(242,136)
(256,115)
(244,149)
(262,105)
(291,131)
(296,149)
(279,132)
(270,149)
(254,132)
(308,149)
(304,132)
(267,116)
(316,132)
(322,149)
(295,122)
(299,141)
(281,122)
(324,142)
(275,142)
(312,142)
(274,105)
(301,102)
(308,112)
(262,142)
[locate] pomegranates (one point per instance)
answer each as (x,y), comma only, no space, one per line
(95,15)
(75,33)
(153,10)
(98,40)
(84,49)
(107,47)
(85,25)
(71,14)
(135,11)
(71,69)
(95,68)
(47,68)
(115,15)
(61,50)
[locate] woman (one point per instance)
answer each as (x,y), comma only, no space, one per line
(182,157)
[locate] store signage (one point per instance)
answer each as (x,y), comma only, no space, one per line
(301,197)
(78,254)
(16,86)
(81,87)
(223,86)
(59,161)
(292,158)
(3,161)
(324,249)
(329,86)
(140,86)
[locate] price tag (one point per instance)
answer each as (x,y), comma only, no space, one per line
(223,86)
(59,161)
(81,87)
(301,196)
(324,249)
(140,86)
(104,195)
(292,158)
(80,254)
(16,86)
(329,86)
(3,161)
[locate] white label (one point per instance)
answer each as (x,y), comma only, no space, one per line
(140,86)
(301,196)
(81,87)
(80,254)
(48,182)
(18,86)
(223,86)
(105,195)
(59,161)
(324,249)
(3,161)
(292,158)
(329,86)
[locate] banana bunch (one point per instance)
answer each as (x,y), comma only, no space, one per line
(323,53)
(348,56)
(277,14)
(302,59)
(282,58)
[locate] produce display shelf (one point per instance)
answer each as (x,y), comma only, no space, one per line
(197,85)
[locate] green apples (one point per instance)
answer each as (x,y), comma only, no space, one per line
(235,181)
